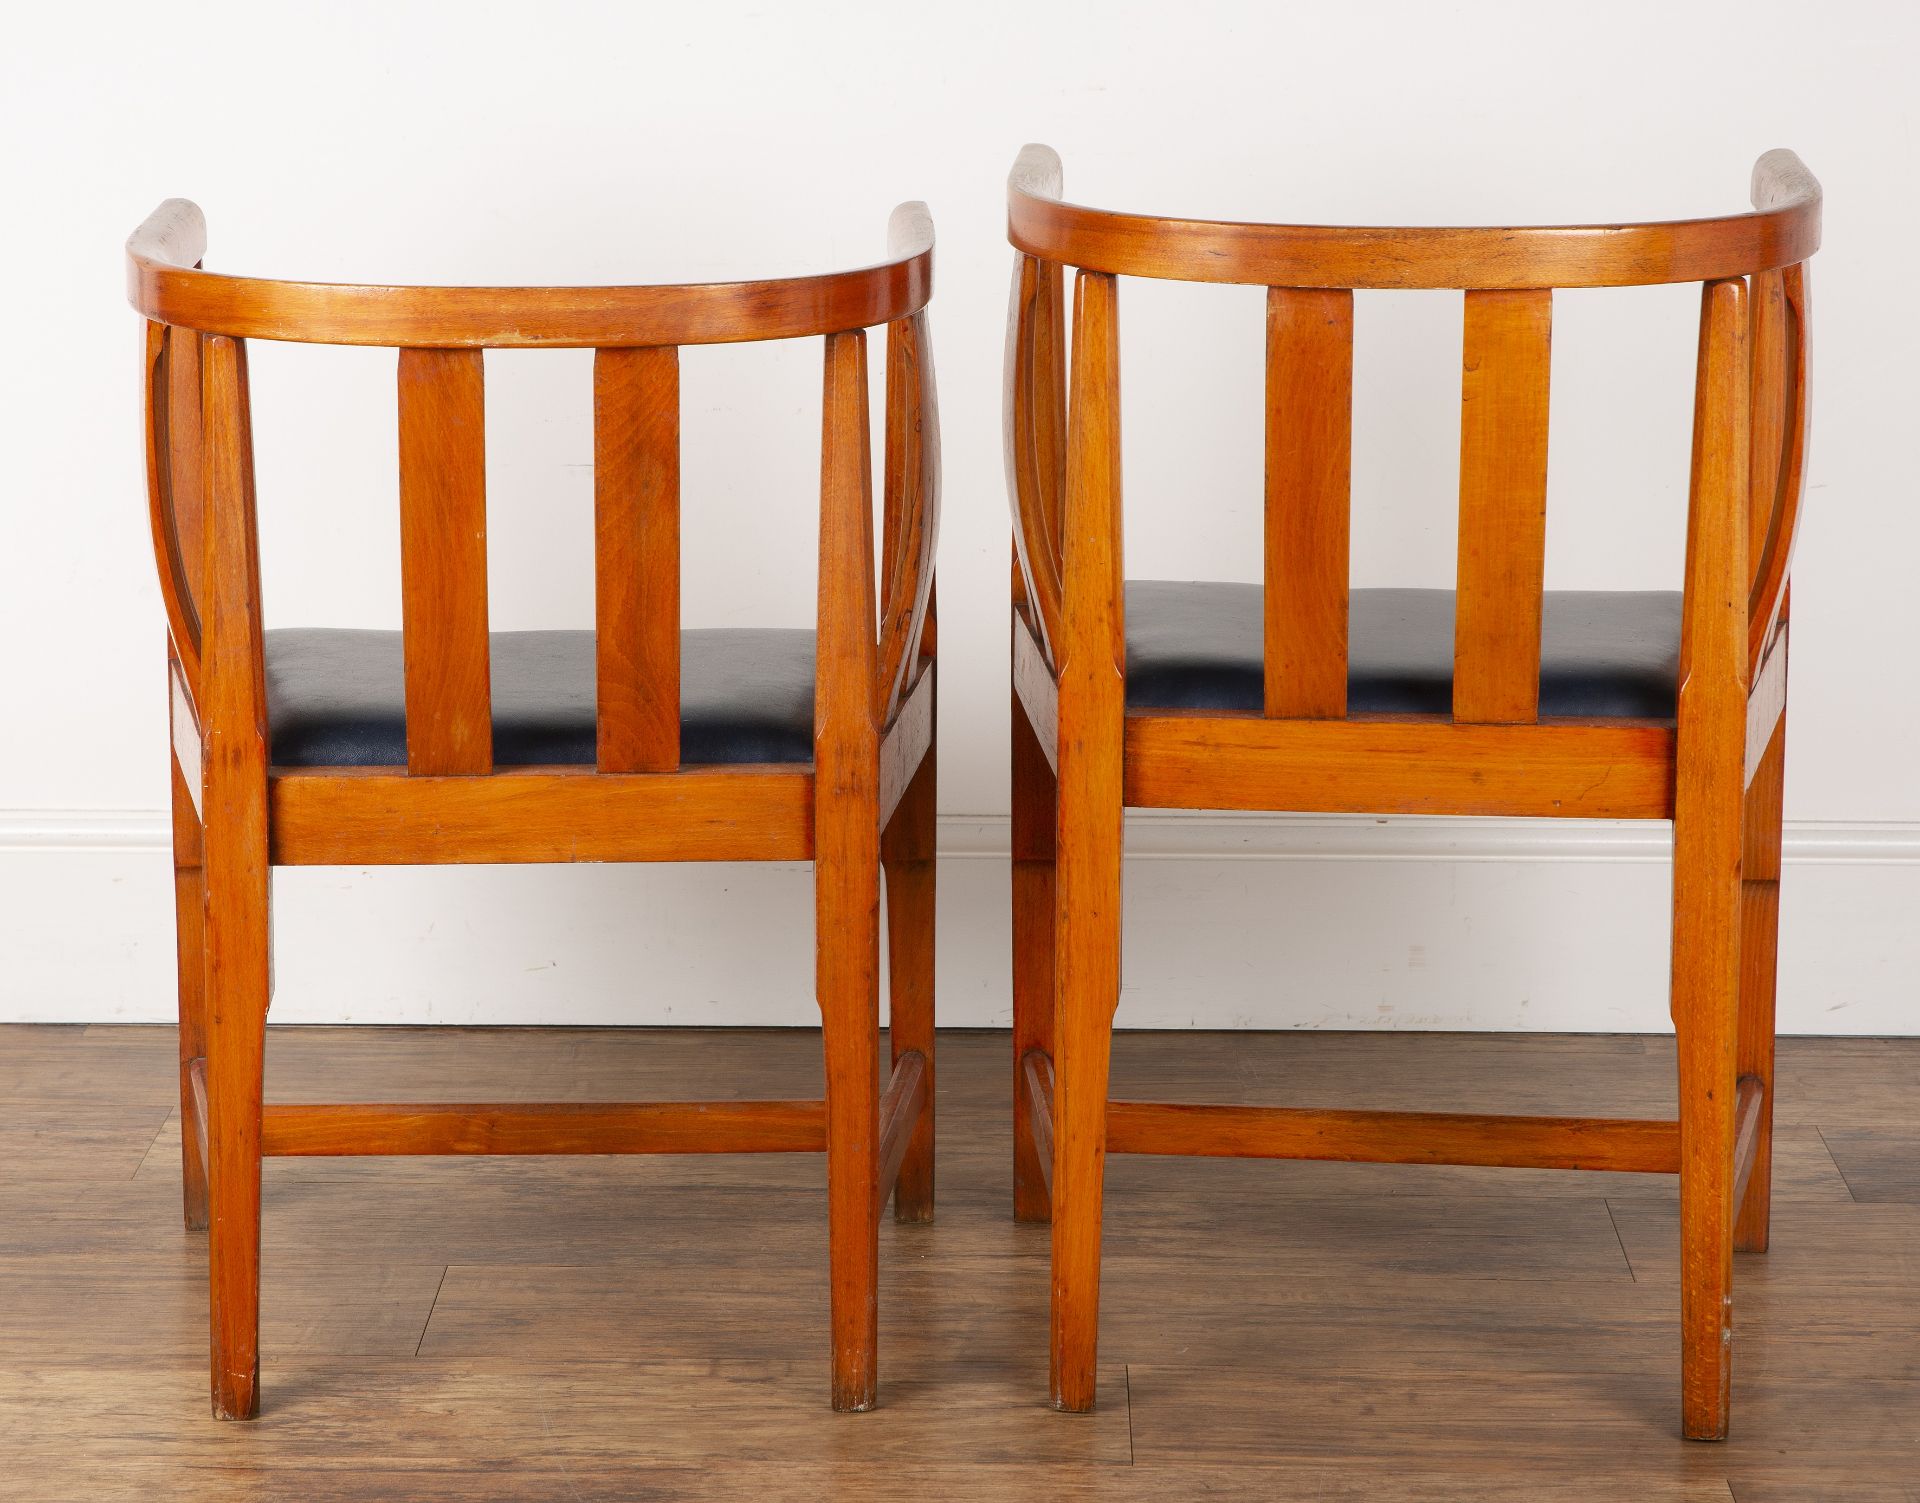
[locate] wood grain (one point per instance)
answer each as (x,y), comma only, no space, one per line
(907,744)
(1036,693)
(1710,754)
(377,816)
(1529,1142)
(1503,507)
(911,514)
(1786,230)
(636,559)
(901,1105)
(1032,891)
(1309,460)
(1767,602)
(1092,663)
(846,759)
(443,562)
(334,1130)
(1755,1045)
(1391,765)
(1529,1361)
(1035,1088)
(189,916)
(175,512)
(185,734)
(908,851)
(237,946)
(1034,419)
(164,283)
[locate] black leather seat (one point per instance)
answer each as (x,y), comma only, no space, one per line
(1602,653)
(338,698)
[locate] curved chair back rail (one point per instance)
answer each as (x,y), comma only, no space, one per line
(1507,275)
(1783,228)
(166,282)
(440,333)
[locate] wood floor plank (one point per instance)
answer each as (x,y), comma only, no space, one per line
(1855,1249)
(541,1416)
(1622,1075)
(809,1481)
(1278,1236)
(1859,1082)
(1790,1482)
(631,1328)
(1836,1297)
(1613,1429)
(1878,1163)
(59,1062)
(54,1142)
(153,1312)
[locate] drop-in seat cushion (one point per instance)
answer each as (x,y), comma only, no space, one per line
(338,698)
(1602,653)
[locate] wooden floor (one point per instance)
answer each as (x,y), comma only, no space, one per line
(638,1329)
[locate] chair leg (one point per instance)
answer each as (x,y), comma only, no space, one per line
(1759,957)
(1033,1000)
(1087,969)
(238,982)
(1706,978)
(189,898)
(847,982)
(907,850)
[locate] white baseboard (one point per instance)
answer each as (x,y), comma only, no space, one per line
(1261,921)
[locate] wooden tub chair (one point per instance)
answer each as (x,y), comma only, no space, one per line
(635,741)
(1492,699)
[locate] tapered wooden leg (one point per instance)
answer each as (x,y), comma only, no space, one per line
(1706,985)
(846,867)
(908,852)
(189,899)
(1033,816)
(237,937)
(1759,958)
(848,940)
(1082,1053)
(1087,836)
(238,980)
(1709,792)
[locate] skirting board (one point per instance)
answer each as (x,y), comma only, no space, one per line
(1233,921)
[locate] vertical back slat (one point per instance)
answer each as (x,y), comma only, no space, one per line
(1309,459)
(443,562)
(1503,506)
(636,504)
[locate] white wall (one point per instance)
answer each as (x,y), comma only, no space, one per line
(619,142)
